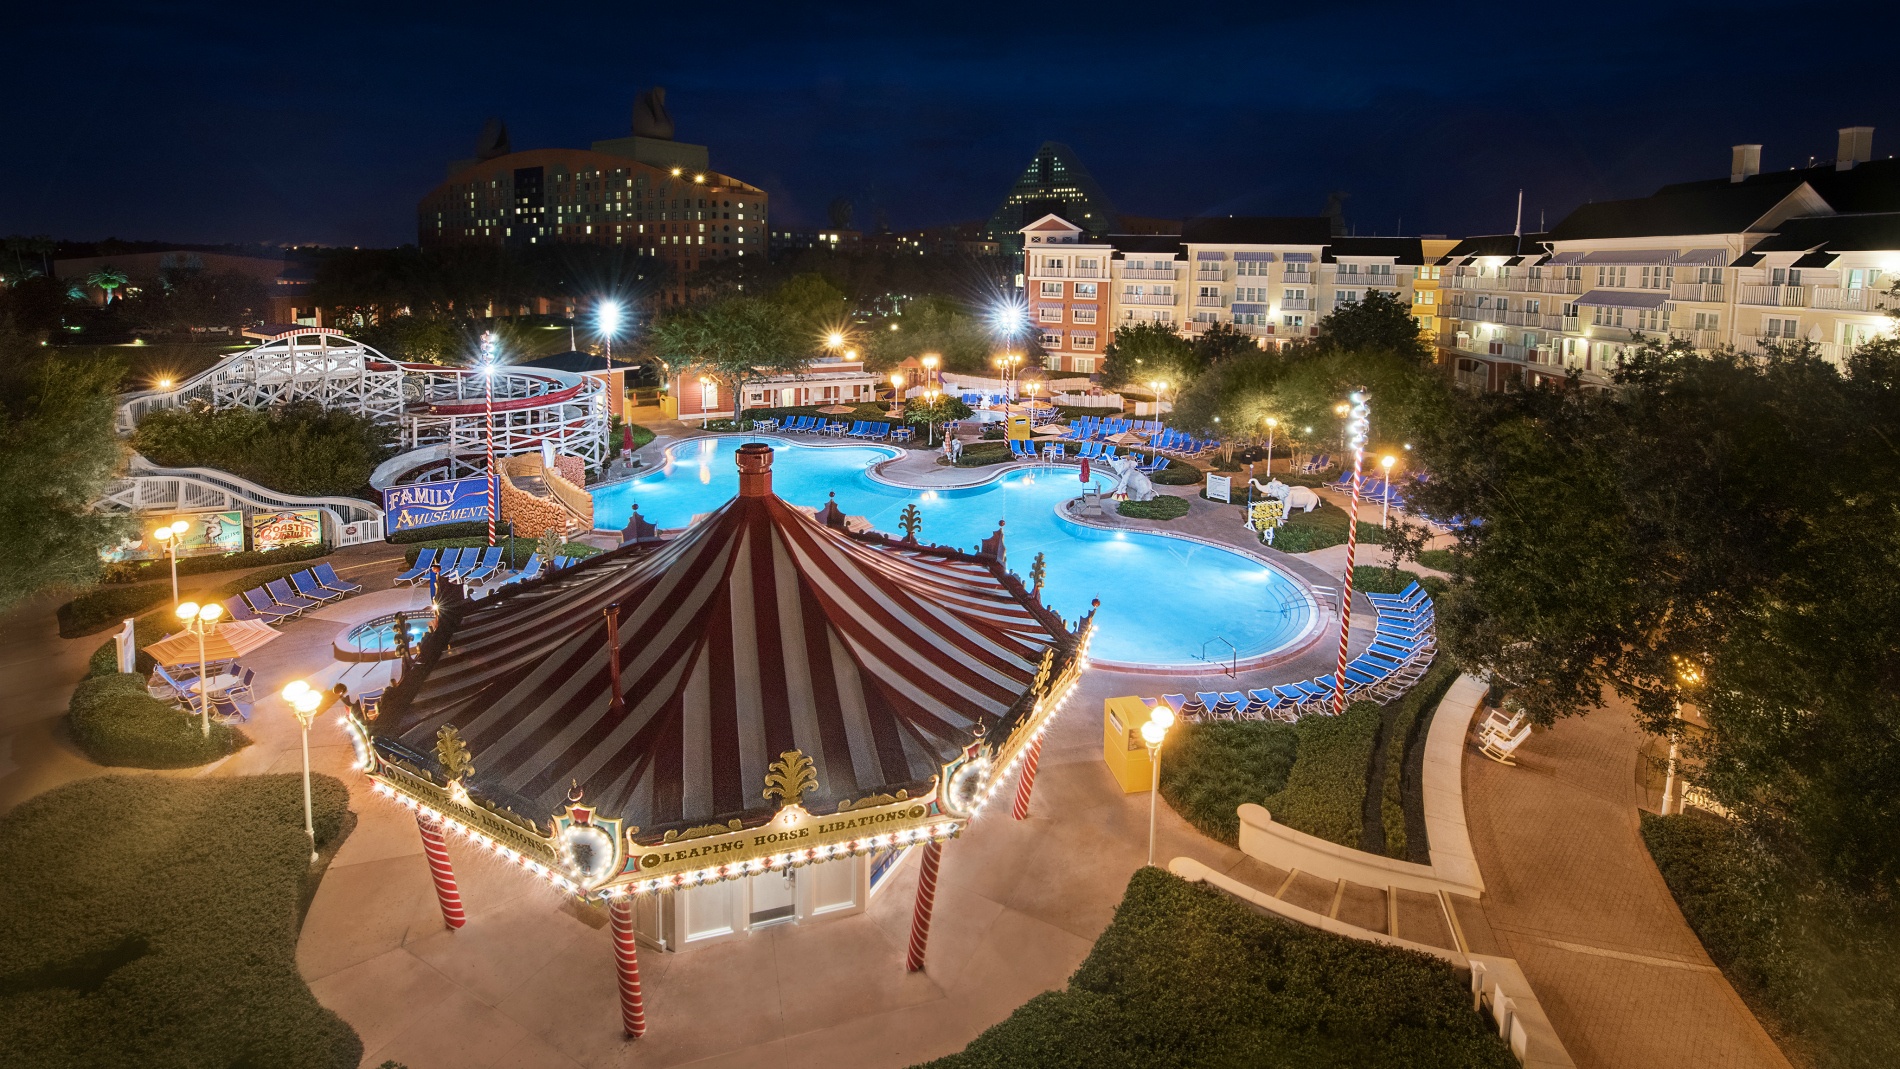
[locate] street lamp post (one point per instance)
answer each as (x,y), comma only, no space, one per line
(488,421)
(930,368)
(170,534)
(1385,499)
(930,398)
(897,391)
(1152,733)
(305,703)
(201,620)
(1271,423)
(607,321)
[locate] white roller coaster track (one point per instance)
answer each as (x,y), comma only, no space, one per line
(147,487)
(440,412)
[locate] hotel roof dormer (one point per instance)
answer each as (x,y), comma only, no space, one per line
(1052,230)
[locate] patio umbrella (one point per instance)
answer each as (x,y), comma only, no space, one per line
(232,639)
(1052,430)
(1127,438)
(837,410)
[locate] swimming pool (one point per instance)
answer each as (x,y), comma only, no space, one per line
(1164,600)
(375,640)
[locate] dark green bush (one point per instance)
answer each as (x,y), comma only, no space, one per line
(983,454)
(1379,579)
(117,723)
(104,606)
(1406,722)
(1177,474)
(134,571)
(299,448)
(1210,768)
(1325,792)
(1161,507)
(440,531)
(1816,958)
(1187,977)
(1443,560)
(152,922)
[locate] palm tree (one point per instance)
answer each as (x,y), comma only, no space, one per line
(107,279)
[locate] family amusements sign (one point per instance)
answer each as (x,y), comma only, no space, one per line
(427,504)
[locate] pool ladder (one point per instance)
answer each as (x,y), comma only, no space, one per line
(1232,669)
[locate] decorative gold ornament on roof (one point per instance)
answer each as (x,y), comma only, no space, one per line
(790,777)
(452,753)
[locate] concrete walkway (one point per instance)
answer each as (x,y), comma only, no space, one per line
(1572,894)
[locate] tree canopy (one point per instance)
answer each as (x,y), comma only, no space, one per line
(1140,353)
(1379,322)
(735,340)
(57,454)
(299,448)
(936,324)
(1720,531)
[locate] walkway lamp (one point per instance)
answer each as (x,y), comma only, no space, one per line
(1385,499)
(930,367)
(305,703)
(607,322)
(834,340)
(202,620)
(1153,733)
(169,536)
(930,399)
(1271,423)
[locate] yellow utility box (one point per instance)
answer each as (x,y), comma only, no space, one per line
(1122,748)
(1017,429)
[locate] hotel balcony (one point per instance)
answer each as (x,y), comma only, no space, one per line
(1087,272)
(1167,299)
(1209,302)
(1700,339)
(1775,296)
(1555,285)
(1147,272)
(1206,274)
(1296,304)
(1706,292)
(1858,299)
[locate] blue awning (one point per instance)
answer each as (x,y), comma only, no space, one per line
(1255,309)
(1264,257)
(1299,257)
(1210,256)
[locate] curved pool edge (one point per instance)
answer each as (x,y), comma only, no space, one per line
(1294,647)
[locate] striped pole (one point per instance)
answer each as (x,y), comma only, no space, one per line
(444,873)
(633,1006)
(488,424)
(1021,809)
(926,898)
(1357,429)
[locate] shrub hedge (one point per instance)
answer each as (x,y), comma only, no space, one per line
(1443,560)
(983,454)
(1210,768)
(117,723)
(1177,474)
(299,448)
(1162,507)
(472,529)
(134,571)
(1325,791)
(1406,720)
(1186,977)
(153,922)
(1817,961)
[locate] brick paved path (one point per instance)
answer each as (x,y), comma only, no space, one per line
(1571,893)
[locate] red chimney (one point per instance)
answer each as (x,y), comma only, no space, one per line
(755,469)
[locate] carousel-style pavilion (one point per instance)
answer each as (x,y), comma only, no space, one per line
(751,723)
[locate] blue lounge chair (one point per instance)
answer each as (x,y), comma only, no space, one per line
(1108,452)
(490,561)
(1087,450)
(879,432)
(1234,701)
(1404,599)
(281,593)
(1177,702)
(268,606)
(464,560)
(242,610)
(563,562)
(308,586)
(226,710)
(331,581)
(1266,702)
(421,568)
(530,570)
(1055,451)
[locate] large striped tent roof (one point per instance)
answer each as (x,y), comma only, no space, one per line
(759,630)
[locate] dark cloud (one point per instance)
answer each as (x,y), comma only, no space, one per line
(219,122)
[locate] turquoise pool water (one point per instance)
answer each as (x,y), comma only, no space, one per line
(1164,600)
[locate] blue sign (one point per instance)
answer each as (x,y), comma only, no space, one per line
(427,504)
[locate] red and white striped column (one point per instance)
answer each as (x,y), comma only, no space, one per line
(1356,431)
(633,1006)
(437,852)
(926,898)
(1021,809)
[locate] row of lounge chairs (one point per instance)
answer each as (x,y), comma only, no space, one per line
(1401,651)
(1177,443)
(1089,427)
(1098,452)
(286,599)
(470,566)
(868,430)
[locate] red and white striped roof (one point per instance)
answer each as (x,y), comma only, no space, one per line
(758,631)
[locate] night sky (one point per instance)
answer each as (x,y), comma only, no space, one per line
(321,124)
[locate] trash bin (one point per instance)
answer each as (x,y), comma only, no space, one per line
(1122,748)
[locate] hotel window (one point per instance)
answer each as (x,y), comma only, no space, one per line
(1295,322)
(1708,321)
(1423,297)
(1606,317)
(1051,289)
(1653,319)
(1252,268)
(1779,328)
(1205,318)
(1084,341)
(1296,272)
(1052,264)
(1083,315)
(1085,290)
(1293,295)
(1252,319)
(1051,339)
(1614,277)
(1783,276)
(1050,313)
(1250,293)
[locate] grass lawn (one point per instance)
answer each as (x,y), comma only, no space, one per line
(1162,507)
(1185,976)
(153,922)
(1304,532)
(641,435)
(1818,963)
(1443,560)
